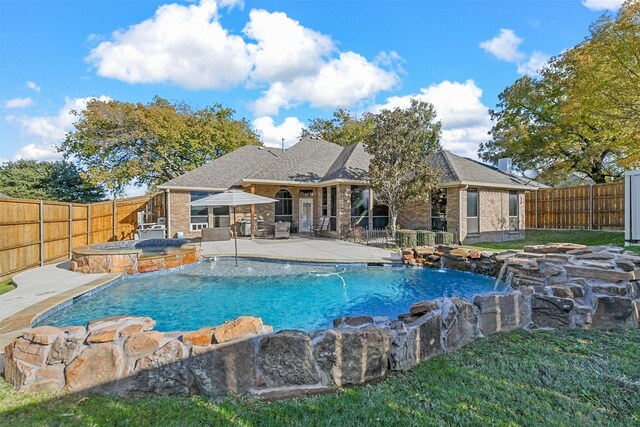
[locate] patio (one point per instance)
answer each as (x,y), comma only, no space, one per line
(302,249)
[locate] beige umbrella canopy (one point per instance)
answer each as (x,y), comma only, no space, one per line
(233,198)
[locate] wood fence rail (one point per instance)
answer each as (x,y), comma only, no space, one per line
(38,232)
(588,207)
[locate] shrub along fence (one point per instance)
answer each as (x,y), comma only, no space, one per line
(587,207)
(38,232)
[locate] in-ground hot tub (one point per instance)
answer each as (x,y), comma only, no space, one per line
(134,256)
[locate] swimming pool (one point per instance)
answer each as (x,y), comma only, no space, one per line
(286,296)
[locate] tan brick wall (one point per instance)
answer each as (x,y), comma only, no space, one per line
(415,215)
(493,210)
(343,211)
(456,203)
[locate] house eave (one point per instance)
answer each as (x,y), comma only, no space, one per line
(303,184)
(488,185)
(190,188)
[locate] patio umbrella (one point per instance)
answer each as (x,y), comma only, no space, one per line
(233,198)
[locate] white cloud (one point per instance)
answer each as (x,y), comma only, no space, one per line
(48,131)
(504,46)
(341,82)
(532,67)
(272,134)
(41,151)
(18,103)
(33,86)
(285,49)
(465,119)
(602,4)
(184,45)
(54,128)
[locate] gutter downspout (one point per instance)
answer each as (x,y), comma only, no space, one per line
(167,210)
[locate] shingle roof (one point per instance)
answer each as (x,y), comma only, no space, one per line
(226,171)
(457,169)
(307,161)
(352,164)
(314,160)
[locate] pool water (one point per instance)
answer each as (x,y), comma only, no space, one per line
(286,296)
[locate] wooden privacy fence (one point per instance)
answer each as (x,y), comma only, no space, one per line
(597,207)
(37,232)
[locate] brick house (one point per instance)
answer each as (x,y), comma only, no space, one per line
(317,178)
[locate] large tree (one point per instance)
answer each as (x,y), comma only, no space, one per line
(62,181)
(343,129)
(121,143)
(400,144)
(580,113)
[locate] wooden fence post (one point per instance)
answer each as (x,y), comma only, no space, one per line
(591,207)
(115,220)
(70,229)
(88,224)
(41,233)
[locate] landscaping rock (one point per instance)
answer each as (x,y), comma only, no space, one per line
(66,347)
(203,337)
(241,327)
(106,334)
(423,307)
(352,356)
(567,291)
(285,359)
(551,312)
(598,274)
(225,368)
(99,365)
(502,312)
(609,289)
(30,352)
(416,342)
(142,343)
(42,334)
(460,321)
(352,321)
(611,312)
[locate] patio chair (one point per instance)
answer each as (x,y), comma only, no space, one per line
(317,229)
(282,230)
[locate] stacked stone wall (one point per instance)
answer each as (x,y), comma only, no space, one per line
(554,287)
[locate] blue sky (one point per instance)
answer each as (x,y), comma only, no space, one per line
(277,63)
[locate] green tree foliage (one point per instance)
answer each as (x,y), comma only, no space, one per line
(400,144)
(121,143)
(581,113)
(62,181)
(343,129)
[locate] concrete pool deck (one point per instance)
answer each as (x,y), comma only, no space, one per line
(42,288)
(302,249)
(37,291)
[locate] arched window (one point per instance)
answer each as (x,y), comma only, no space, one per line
(284,206)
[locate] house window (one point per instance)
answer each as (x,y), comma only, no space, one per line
(380,215)
(333,196)
(221,217)
(439,210)
(199,217)
(324,201)
(513,211)
(473,220)
(360,206)
(284,206)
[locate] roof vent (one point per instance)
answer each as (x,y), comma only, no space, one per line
(505,164)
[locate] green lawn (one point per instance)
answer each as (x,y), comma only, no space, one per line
(536,237)
(579,378)
(6,286)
